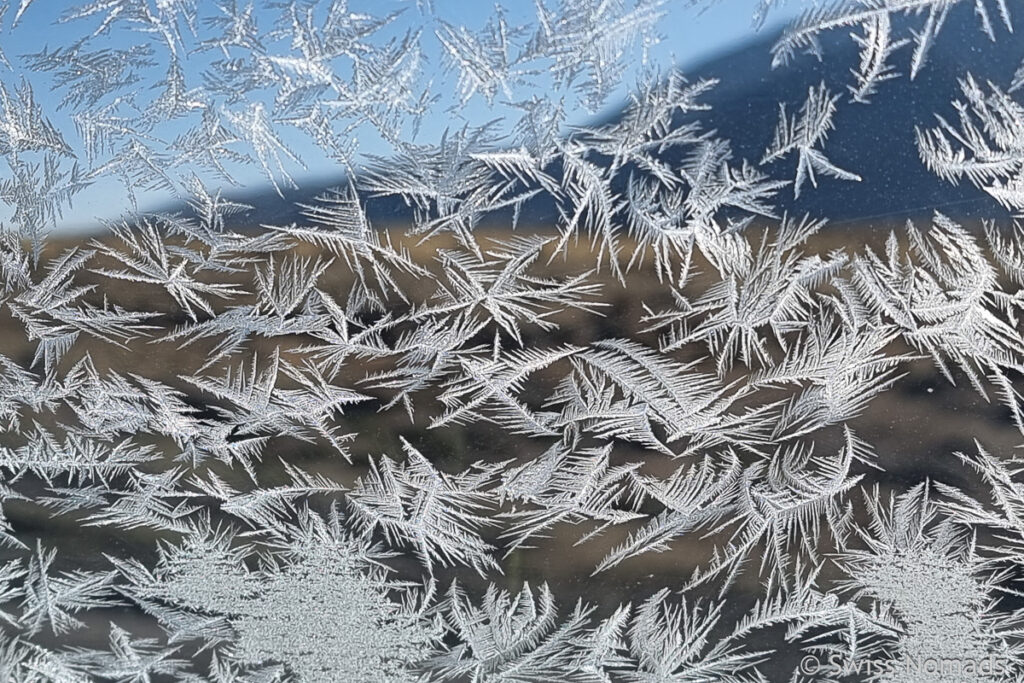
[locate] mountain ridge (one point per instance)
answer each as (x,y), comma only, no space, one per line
(875,140)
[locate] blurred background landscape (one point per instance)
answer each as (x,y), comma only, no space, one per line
(915,427)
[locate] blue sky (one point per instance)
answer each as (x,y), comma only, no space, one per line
(690,33)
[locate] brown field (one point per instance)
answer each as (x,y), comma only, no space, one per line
(915,427)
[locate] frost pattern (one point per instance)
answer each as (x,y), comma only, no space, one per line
(422,447)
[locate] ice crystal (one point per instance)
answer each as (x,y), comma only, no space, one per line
(519,394)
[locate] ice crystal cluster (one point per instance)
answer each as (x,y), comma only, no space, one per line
(587,402)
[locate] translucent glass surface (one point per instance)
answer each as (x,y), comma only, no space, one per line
(568,340)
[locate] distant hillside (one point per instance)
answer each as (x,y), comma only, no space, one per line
(875,140)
